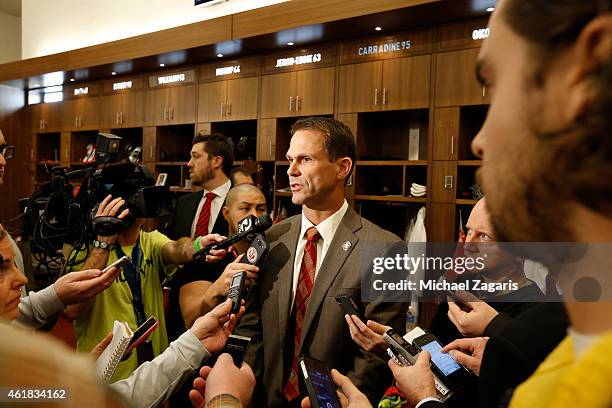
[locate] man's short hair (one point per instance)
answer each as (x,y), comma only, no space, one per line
(240,188)
(238,170)
(339,141)
(217,145)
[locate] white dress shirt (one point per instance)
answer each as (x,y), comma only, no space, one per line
(327,229)
(215,206)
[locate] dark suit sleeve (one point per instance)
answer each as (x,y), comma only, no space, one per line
(497,325)
(250,326)
(433,404)
(365,364)
(170,228)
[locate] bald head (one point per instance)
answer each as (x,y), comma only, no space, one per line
(241,201)
(479,222)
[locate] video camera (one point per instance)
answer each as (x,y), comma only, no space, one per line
(62,211)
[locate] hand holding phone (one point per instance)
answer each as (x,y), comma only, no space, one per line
(141,334)
(320,386)
(348,305)
(117,264)
(237,290)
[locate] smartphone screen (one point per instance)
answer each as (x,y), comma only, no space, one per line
(322,385)
(445,363)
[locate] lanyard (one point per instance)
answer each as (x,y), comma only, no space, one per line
(131,271)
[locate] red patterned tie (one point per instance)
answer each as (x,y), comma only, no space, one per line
(302,294)
(203,220)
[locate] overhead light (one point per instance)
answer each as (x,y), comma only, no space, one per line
(113,73)
(71,79)
(36,86)
(162,65)
(490,9)
(378,28)
(220,55)
(290,43)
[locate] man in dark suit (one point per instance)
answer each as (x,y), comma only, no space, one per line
(313,257)
(199,213)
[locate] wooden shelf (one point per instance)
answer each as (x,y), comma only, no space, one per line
(391,163)
(171,163)
(469,163)
(401,199)
(48,163)
(78,163)
(283,194)
(465,201)
(281,163)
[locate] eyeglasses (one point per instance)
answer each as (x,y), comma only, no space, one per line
(7,151)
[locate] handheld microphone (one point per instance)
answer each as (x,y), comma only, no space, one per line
(246,227)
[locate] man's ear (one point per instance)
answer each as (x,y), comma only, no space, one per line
(344,167)
(217,161)
(225,212)
(593,49)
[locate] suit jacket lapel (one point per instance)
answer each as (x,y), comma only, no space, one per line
(331,265)
(285,277)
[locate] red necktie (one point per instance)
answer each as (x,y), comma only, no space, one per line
(302,294)
(203,220)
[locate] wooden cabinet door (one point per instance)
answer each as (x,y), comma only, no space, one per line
(70,115)
(46,117)
(315,91)
(456,82)
(360,87)
(211,101)
(266,139)
(149,144)
(242,97)
(89,113)
(405,83)
(156,107)
(132,109)
(444,181)
(182,104)
(441,223)
(110,108)
(278,95)
(446,134)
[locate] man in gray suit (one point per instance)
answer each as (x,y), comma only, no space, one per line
(313,257)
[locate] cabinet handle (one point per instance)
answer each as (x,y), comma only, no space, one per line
(448,182)
(376,96)
(121,118)
(80,121)
(41,124)
(228,109)
(297,103)
(222,110)
(384,98)
(484,91)
(452,145)
(270,151)
(151,152)
(76,121)
(172,114)
(291,104)
(116,118)
(165,113)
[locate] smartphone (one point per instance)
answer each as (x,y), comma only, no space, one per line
(318,381)
(399,345)
(117,264)
(443,365)
(257,250)
(461,302)
(237,290)
(236,346)
(348,305)
(142,333)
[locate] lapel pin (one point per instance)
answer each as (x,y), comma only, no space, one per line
(346,245)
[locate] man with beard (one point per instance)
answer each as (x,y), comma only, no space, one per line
(547,159)
(199,213)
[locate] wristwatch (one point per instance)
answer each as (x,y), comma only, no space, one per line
(103,245)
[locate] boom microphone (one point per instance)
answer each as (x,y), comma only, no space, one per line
(246,227)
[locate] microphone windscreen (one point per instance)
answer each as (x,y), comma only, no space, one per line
(262,223)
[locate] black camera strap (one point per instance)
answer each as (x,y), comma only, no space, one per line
(131,271)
